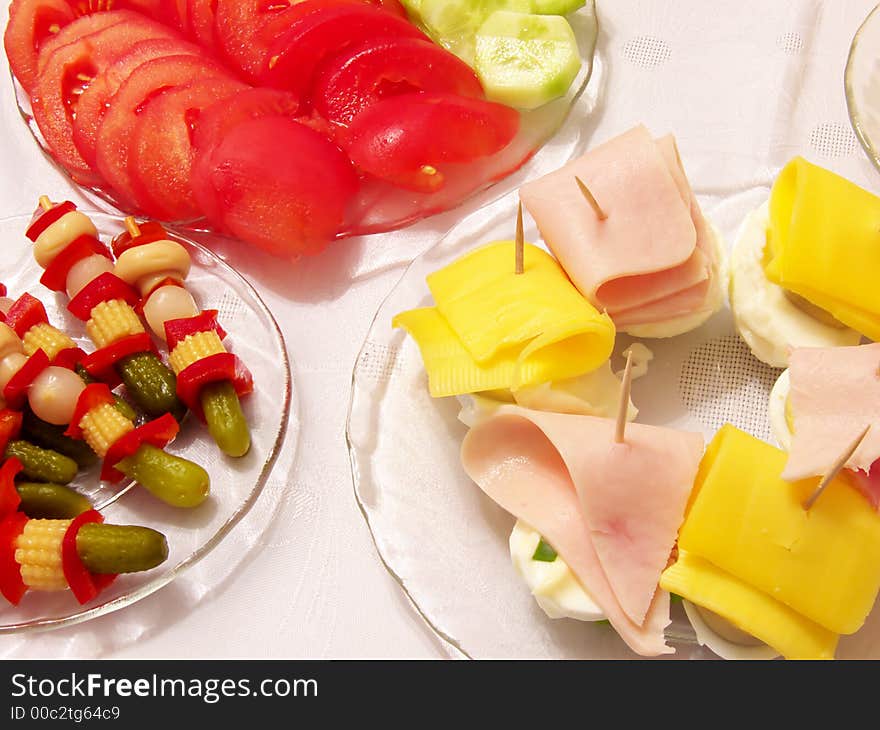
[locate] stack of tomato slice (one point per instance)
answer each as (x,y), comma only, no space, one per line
(284,124)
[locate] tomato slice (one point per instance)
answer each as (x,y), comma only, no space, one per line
(238,23)
(93,102)
(31,24)
(160,163)
(71,68)
(145,83)
(374,69)
(211,128)
(201,16)
(283,186)
(408,139)
(174,13)
(76,31)
(297,53)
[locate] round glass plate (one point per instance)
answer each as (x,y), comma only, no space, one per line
(255,337)
(381,207)
(862,84)
(443,540)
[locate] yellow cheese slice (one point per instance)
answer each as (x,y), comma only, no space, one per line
(747,608)
(823,243)
(491,329)
(823,563)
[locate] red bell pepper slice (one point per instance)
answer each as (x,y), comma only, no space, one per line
(102,288)
(24,313)
(3,291)
(9,497)
(217,368)
(177,330)
(156,433)
(84,585)
(10,427)
(15,391)
(99,364)
(44,218)
(92,396)
(150,231)
(69,358)
(11,585)
(55,275)
(167,281)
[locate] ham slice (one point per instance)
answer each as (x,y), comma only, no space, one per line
(835,394)
(612,511)
(651,260)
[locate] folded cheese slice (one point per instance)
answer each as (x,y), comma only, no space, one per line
(750,610)
(491,328)
(612,511)
(834,395)
(750,523)
(823,244)
(651,260)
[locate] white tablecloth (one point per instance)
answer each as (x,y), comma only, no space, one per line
(744,84)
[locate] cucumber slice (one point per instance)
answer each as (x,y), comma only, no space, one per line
(454,23)
(526,60)
(556,7)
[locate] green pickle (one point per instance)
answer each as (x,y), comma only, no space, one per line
(151,384)
(42,465)
(44,501)
(120,548)
(52,437)
(121,405)
(226,422)
(174,480)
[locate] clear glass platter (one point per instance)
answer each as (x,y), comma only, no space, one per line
(236,484)
(444,541)
(862,84)
(381,207)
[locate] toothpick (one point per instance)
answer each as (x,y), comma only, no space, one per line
(836,469)
(520,242)
(45,203)
(585,191)
(623,405)
(132,227)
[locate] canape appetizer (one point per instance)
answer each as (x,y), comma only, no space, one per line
(754,547)
(209,379)
(802,267)
(609,509)
(822,403)
(635,242)
(491,328)
(76,262)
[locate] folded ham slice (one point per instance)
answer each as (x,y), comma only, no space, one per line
(835,394)
(612,511)
(651,260)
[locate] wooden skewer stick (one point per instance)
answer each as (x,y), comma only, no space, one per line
(623,405)
(520,242)
(836,469)
(132,227)
(585,191)
(45,203)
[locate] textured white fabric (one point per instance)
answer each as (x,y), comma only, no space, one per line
(744,85)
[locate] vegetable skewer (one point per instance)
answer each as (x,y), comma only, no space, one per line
(209,379)
(59,396)
(75,261)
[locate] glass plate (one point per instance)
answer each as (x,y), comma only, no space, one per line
(443,540)
(236,484)
(862,84)
(381,207)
